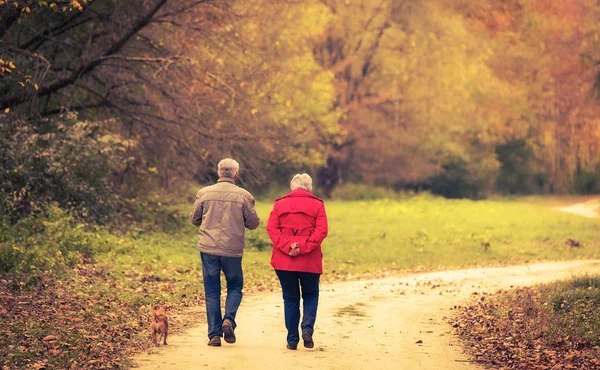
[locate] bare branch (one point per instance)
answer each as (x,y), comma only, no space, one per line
(16,99)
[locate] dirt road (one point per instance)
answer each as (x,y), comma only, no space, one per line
(374,324)
(587,209)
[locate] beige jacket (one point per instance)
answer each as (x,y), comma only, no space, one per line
(223,211)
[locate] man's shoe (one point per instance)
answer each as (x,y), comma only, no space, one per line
(307,338)
(215,341)
(292,347)
(228,333)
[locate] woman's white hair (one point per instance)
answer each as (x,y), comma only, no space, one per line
(301,181)
(228,168)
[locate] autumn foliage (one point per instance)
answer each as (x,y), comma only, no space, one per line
(553,326)
(458,97)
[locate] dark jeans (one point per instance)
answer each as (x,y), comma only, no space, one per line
(211,273)
(291,282)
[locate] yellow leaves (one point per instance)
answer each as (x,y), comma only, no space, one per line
(253,111)
(75,4)
(50,338)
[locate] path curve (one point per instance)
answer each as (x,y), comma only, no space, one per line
(372,324)
(589,208)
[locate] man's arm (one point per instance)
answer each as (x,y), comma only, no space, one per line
(197,211)
(251,220)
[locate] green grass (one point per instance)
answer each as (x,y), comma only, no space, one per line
(428,233)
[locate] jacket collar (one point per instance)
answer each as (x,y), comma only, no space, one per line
(226,179)
(300,193)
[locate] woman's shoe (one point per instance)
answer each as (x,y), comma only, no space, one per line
(307,338)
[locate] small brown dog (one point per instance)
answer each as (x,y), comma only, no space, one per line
(160,325)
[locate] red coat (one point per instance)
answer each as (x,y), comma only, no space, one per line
(298,217)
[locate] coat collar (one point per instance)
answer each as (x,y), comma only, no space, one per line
(300,193)
(227,179)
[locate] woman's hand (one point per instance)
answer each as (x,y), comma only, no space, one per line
(294,250)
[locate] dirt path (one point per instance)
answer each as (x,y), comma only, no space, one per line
(587,209)
(361,324)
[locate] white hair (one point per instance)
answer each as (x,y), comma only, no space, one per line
(228,168)
(301,181)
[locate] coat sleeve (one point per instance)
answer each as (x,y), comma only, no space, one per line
(251,219)
(197,210)
(317,237)
(274,231)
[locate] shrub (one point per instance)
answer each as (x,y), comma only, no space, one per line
(587,182)
(48,242)
(62,161)
(472,176)
(516,175)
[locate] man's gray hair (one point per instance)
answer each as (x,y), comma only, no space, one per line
(301,181)
(228,168)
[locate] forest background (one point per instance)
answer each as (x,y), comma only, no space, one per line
(104,102)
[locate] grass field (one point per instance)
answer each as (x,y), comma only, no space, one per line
(415,234)
(112,292)
(427,233)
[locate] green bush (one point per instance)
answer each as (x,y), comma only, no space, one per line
(64,161)
(516,175)
(462,179)
(587,182)
(46,243)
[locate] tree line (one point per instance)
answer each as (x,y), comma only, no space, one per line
(109,99)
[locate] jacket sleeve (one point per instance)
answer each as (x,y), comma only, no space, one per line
(274,231)
(197,210)
(251,219)
(317,237)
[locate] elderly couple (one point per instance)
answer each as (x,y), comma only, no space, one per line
(297,226)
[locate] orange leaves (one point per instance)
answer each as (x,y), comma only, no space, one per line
(570,10)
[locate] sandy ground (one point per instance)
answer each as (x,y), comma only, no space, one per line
(373,324)
(587,209)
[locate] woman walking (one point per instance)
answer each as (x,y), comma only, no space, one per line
(297,226)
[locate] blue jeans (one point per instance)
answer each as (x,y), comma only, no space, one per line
(211,273)
(291,282)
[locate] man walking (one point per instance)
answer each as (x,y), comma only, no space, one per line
(222,211)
